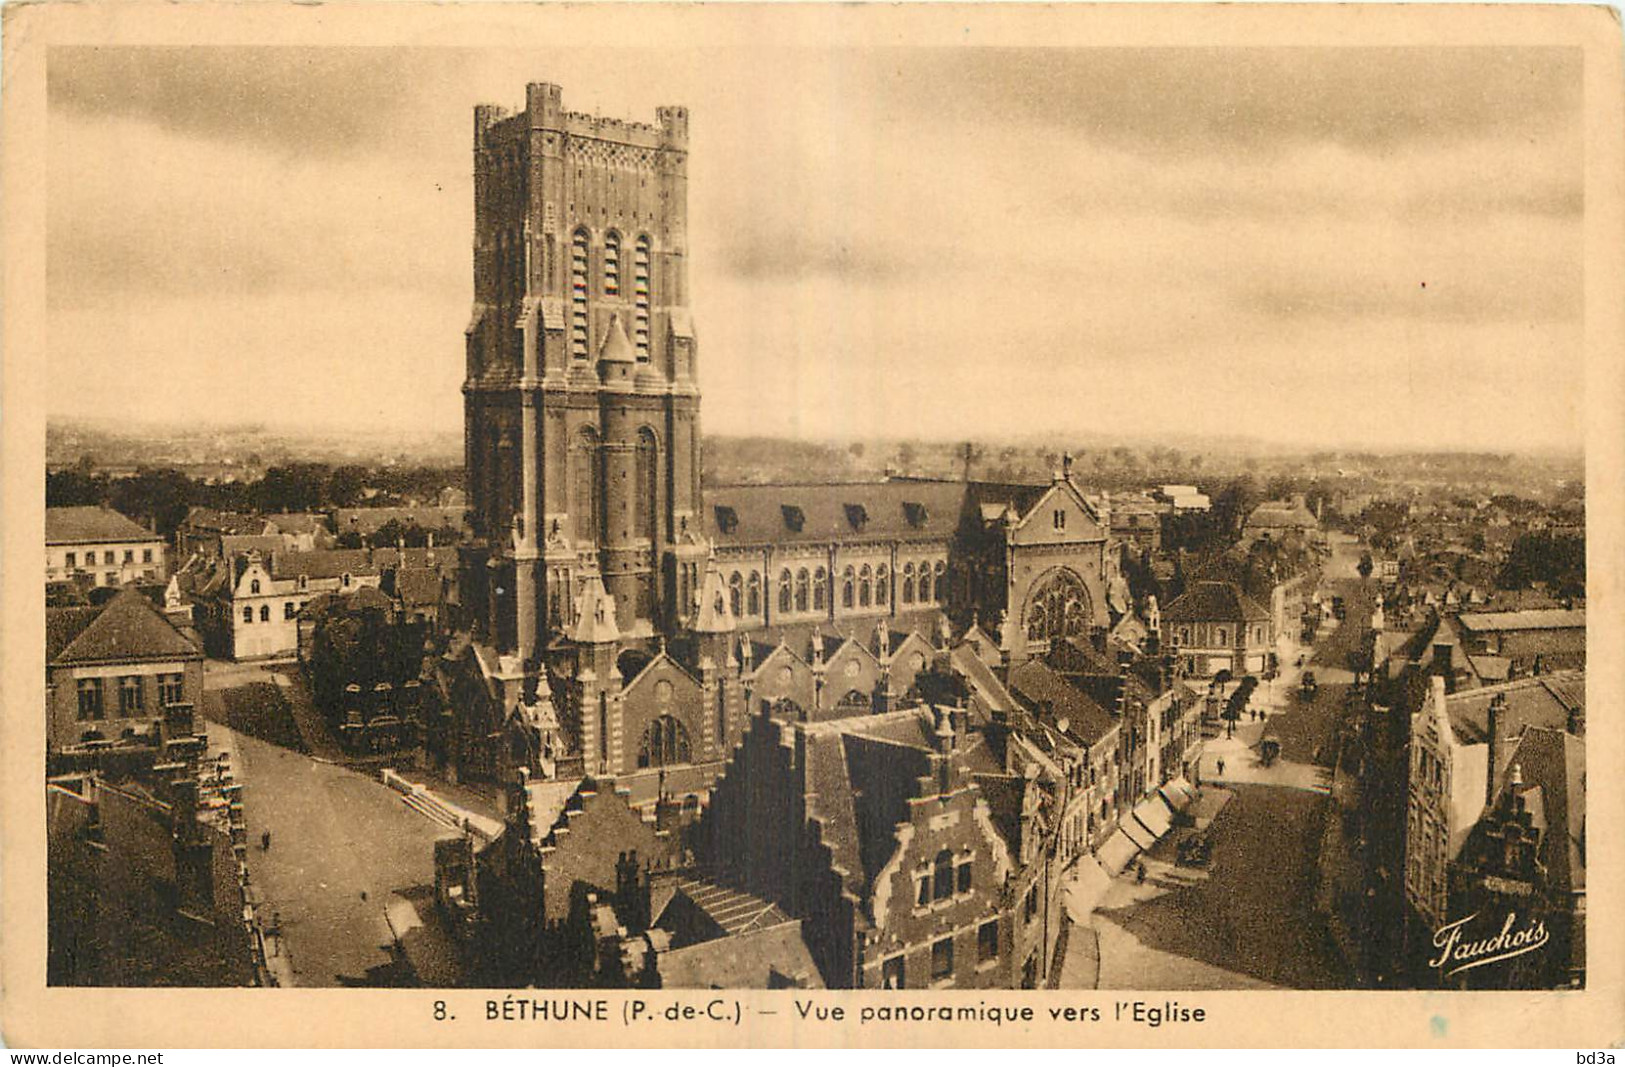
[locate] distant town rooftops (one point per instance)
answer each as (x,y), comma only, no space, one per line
(92,525)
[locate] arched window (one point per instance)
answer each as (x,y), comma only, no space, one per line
(646,521)
(585,478)
(248,614)
(578,294)
(786,592)
(612,264)
(882,585)
(855,702)
(925,583)
(1058,607)
(665,742)
(736,593)
(640,293)
(908,583)
(865,586)
(941,569)
(848,582)
(803,583)
(254,587)
(942,876)
(1184,635)
(753,594)
(265,613)
(1223,636)
(820,589)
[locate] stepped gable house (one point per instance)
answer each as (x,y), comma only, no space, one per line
(602,589)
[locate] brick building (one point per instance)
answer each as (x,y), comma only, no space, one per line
(110,672)
(917,850)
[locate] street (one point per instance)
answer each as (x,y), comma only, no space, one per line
(1249,919)
(341,841)
(1245,922)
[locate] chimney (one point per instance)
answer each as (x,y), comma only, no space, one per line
(1494,728)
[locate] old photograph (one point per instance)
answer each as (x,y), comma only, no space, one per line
(863,516)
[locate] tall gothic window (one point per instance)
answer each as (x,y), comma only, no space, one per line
(736,593)
(585,475)
(646,520)
(803,583)
(640,292)
(848,583)
(925,583)
(882,585)
(866,579)
(1058,608)
(578,295)
(612,264)
(941,569)
(664,742)
(820,589)
(786,592)
(908,583)
(753,594)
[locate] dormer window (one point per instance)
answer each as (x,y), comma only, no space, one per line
(344,579)
(254,587)
(794,517)
(304,582)
(727,519)
(857,515)
(914,513)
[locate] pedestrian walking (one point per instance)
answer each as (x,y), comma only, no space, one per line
(1221,768)
(265,841)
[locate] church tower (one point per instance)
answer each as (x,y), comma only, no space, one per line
(581,402)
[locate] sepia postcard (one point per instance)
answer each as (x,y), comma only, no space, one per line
(648,525)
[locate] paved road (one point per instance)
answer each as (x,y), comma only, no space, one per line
(1245,922)
(335,834)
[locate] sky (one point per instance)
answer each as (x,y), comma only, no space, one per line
(1344,247)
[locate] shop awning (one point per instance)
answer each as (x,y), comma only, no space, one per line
(1116,853)
(1154,814)
(1140,835)
(1178,793)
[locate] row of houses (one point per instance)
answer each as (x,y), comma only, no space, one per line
(915,844)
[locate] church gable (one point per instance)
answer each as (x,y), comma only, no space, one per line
(851,679)
(782,675)
(1061,516)
(662,716)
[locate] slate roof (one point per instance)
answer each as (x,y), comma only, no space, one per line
(1040,685)
(1206,601)
(264,544)
(126,628)
(92,525)
(224,522)
(417,586)
(1274,514)
(1544,701)
(295,522)
(369,520)
(1551,764)
(759,959)
(323,563)
(1534,619)
(791,514)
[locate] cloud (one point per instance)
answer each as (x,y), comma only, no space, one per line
(1221,101)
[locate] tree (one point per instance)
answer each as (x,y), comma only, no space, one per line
(1366,565)
(1236,706)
